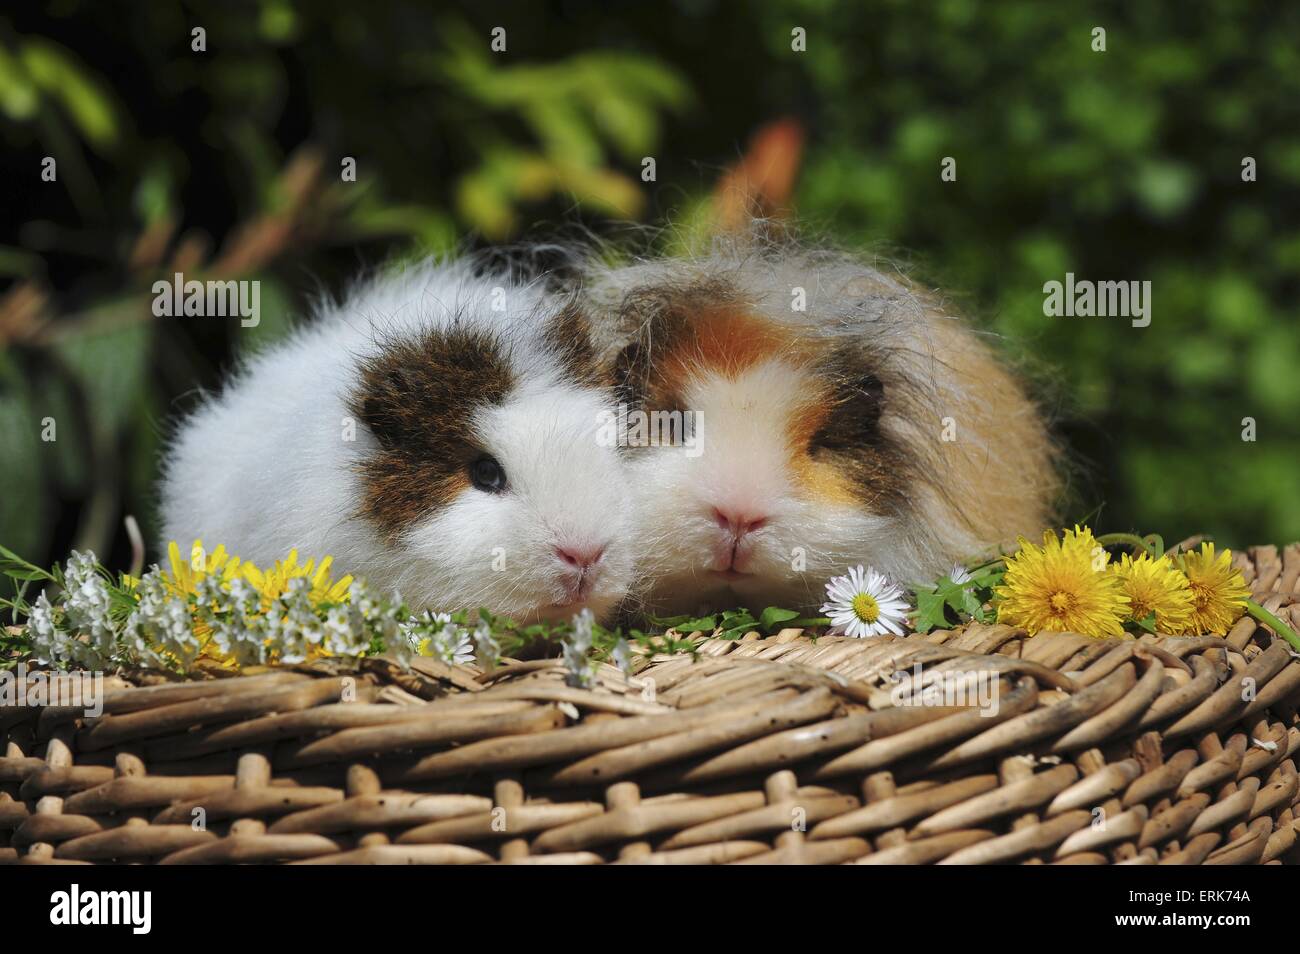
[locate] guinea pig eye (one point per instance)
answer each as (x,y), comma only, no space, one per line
(487,475)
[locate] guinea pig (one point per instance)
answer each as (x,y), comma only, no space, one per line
(791,413)
(437,432)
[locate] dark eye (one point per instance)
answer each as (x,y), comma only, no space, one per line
(487,475)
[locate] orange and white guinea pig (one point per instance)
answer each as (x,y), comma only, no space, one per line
(791,413)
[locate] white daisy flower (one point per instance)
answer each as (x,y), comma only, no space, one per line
(959,574)
(865,603)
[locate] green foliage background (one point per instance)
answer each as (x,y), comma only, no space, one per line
(1116,165)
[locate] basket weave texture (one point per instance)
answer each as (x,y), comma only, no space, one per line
(784,750)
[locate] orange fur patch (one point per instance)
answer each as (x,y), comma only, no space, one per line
(822,480)
(819,478)
(725,341)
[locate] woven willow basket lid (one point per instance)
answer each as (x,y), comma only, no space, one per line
(1158,750)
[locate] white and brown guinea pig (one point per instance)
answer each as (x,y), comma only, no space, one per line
(870,427)
(436,432)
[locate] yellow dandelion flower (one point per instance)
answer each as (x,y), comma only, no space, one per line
(272,583)
(1062,586)
(1219,592)
(186,574)
(1155,586)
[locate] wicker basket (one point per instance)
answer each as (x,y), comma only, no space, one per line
(1160,750)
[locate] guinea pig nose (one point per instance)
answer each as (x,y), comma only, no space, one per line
(736,522)
(579,556)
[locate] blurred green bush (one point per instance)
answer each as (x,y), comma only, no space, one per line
(1116,165)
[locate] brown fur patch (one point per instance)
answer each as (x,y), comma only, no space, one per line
(568,337)
(418,397)
(846,438)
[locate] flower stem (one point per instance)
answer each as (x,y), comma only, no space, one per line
(1281,628)
(1132,539)
(806,622)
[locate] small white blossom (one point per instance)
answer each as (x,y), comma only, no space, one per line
(621,654)
(375,617)
(86,605)
(486,645)
(865,603)
(576,646)
(959,574)
(452,644)
(344,632)
(417,635)
(50,644)
(233,614)
(294,628)
(436,635)
(160,626)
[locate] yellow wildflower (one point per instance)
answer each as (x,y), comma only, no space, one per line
(1062,586)
(1155,586)
(272,583)
(1218,591)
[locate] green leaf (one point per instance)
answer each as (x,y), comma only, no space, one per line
(1148,623)
(19,99)
(11,564)
(970,604)
(807,622)
(931,611)
(946,603)
(18,571)
(736,632)
(59,73)
(274,319)
(669,622)
(774,615)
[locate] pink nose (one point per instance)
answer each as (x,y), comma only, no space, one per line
(737,522)
(580,557)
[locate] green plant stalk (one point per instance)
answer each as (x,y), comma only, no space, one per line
(806,622)
(1132,539)
(1279,627)
(981,567)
